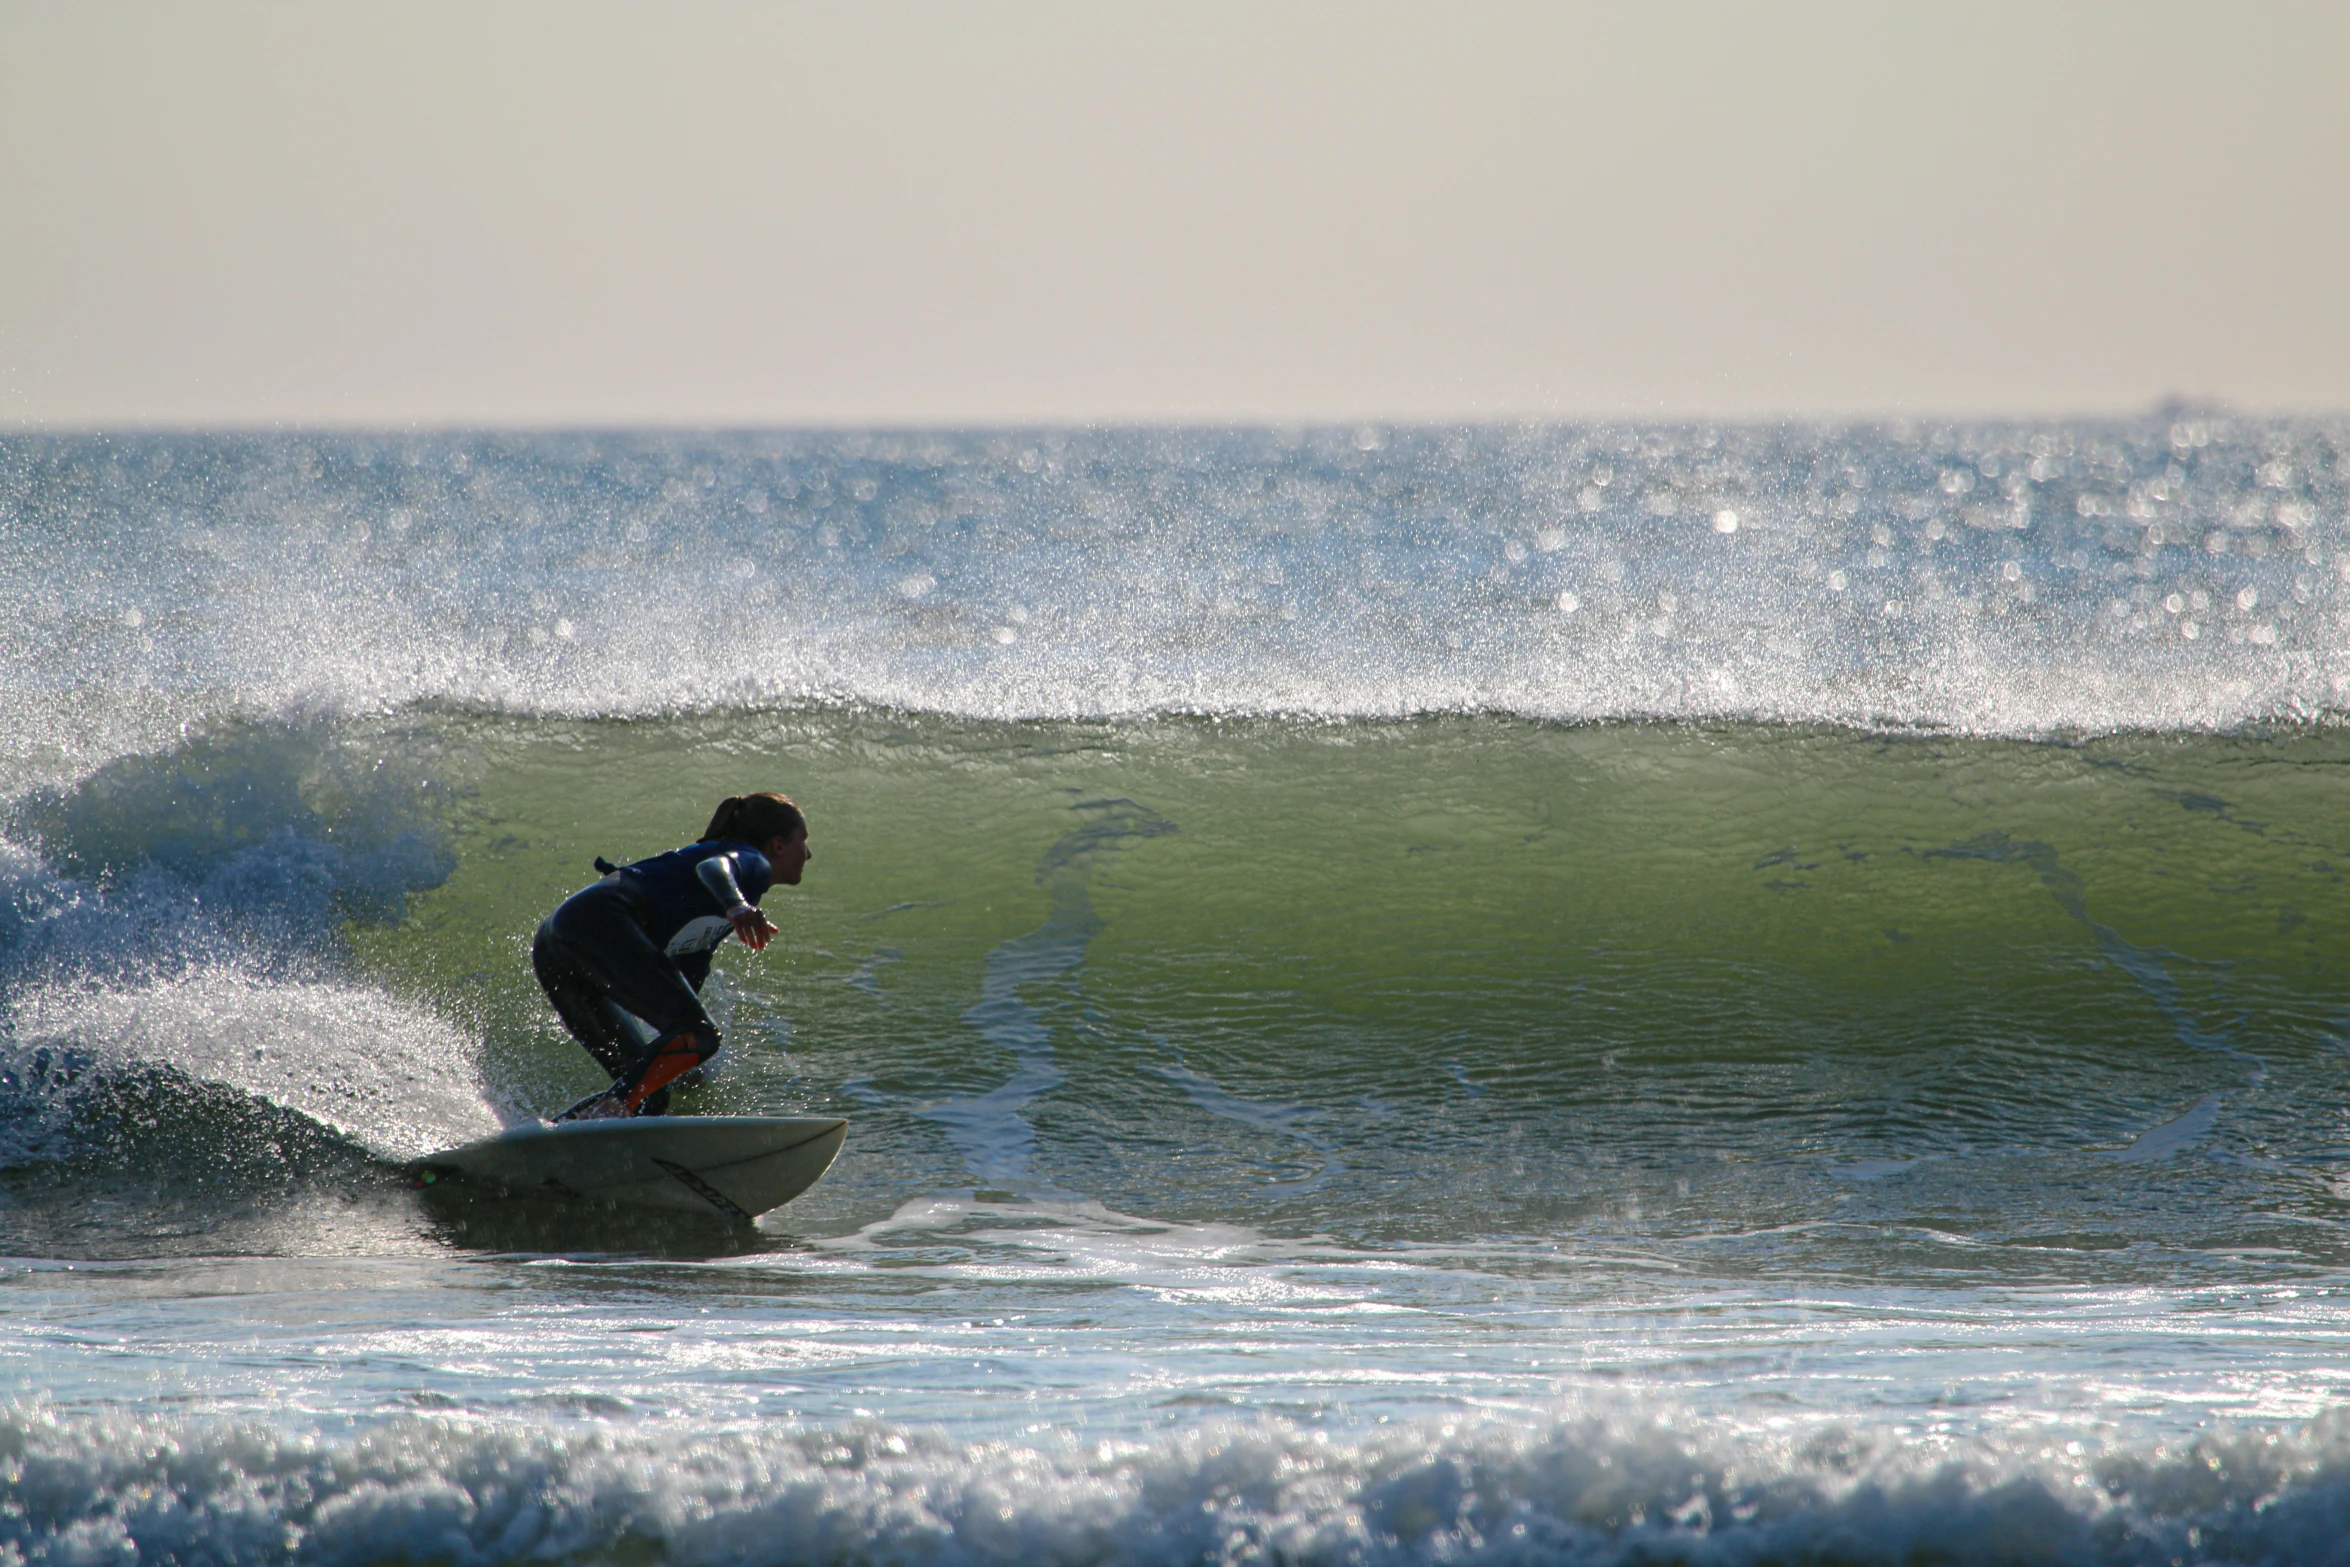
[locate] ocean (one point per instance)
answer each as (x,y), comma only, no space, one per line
(1493,995)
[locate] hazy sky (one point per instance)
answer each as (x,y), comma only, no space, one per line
(511,212)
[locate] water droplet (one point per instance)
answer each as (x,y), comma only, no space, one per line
(1725,521)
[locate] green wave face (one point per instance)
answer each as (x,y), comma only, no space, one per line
(1754,997)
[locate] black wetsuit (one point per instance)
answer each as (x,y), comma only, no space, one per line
(624,960)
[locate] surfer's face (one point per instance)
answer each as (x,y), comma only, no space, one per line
(789,856)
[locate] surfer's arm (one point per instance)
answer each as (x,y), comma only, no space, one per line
(755,928)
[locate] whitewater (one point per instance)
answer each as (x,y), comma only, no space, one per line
(1507,994)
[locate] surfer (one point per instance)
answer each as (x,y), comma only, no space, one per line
(624,960)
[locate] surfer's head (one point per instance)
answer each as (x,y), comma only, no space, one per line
(771,823)
(755,818)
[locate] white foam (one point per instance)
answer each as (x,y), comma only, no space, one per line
(1043,1239)
(1579,1488)
(391,1076)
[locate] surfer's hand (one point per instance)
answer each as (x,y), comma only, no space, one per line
(755,928)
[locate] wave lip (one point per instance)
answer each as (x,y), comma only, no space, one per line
(2025,579)
(1583,1489)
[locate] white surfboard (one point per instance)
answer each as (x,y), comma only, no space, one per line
(735,1166)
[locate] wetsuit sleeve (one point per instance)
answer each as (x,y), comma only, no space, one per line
(752,873)
(717,875)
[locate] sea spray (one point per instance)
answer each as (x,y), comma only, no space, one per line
(2176,572)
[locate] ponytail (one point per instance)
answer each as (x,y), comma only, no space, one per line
(755,818)
(722,820)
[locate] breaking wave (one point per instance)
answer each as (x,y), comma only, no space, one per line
(1583,1489)
(2181,572)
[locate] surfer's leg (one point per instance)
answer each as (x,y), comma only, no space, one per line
(685,1040)
(645,1088)
(601,1028)
(598,936)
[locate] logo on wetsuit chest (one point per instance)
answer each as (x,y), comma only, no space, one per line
(700,935)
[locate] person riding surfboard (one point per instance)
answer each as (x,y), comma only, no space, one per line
(623,960)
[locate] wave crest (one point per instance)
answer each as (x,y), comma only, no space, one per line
(2022,579)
